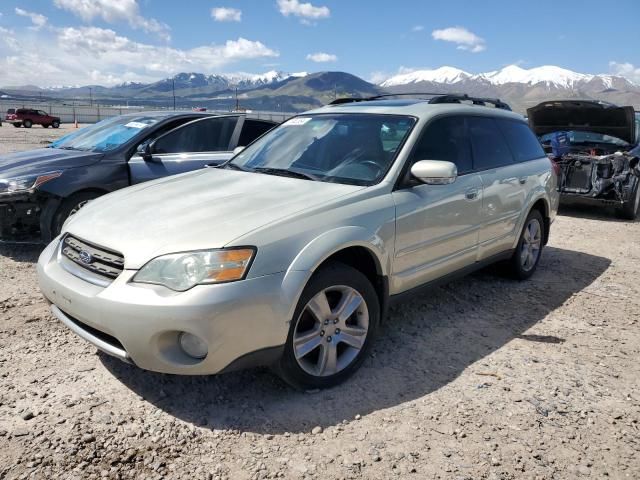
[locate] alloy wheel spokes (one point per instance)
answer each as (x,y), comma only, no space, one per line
(328,359)
(331,331)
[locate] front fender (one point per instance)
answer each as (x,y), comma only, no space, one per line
(324,246)
(332,241)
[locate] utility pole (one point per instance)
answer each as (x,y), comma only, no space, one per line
(237,102)
(173,85)
(90,96)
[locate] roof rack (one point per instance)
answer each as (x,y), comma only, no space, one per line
(435,98)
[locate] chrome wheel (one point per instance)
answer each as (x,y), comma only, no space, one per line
(331,331)
(531,243)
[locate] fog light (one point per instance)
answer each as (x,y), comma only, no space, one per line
(193,345)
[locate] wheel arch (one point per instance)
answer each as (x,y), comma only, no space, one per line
(52,206)
(352,246)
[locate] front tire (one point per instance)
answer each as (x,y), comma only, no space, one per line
(332,329)
(524,260)
(55,124)
(70,207)
(630,209)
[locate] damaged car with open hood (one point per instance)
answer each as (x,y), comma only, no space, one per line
(596,149)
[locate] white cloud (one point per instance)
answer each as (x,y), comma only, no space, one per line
(465,39)
(417,28)
(306,11)
(37,19)
(113,11)
(224,14)
(321,57)
(378,77)
(90,55)
(627,70)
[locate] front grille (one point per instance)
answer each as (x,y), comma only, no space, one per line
(92,258)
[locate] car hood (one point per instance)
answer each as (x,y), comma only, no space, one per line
(583,116)
(194,211)
(43,160)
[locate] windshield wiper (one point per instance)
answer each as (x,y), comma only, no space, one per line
(233,166)
(283,172)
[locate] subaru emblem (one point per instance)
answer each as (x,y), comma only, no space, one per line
(85,257)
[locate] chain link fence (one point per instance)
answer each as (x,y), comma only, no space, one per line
(70,113)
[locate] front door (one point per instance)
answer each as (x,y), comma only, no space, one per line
(194,145)
(437,226)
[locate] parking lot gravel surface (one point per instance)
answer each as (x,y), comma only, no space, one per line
(484,378)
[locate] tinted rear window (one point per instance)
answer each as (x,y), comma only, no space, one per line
(523,143)
(490,149)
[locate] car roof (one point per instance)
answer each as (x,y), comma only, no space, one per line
(415,107)
(176,113)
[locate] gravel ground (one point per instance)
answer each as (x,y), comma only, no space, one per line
(16,139)
(484,378)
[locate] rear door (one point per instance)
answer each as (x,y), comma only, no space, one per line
(437,226)
(202,142)
(504,183)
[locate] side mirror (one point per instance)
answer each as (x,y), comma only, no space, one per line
(237,150)
(435,172)
(145,150)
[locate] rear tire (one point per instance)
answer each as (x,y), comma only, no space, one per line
(525,258)
(630,209)
(326,343)
(17,125)
(70,207)
(27,123)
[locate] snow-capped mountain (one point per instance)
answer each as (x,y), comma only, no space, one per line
(448,75)
(547,75)
(519,87)
(219,82)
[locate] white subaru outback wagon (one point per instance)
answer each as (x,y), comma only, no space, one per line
(288,254)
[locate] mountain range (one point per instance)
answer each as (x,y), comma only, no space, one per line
(281,91)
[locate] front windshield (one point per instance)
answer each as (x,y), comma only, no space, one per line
(356,149)
(585,138)
(107,134)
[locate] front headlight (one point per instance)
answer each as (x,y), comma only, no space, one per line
(182,271)
(27,182)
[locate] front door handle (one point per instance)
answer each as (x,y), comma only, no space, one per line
(522,180)
(471,194)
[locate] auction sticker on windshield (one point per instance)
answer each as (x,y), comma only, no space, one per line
(296,122)
(136,125)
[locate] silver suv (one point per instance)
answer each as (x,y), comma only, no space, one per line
(289,254)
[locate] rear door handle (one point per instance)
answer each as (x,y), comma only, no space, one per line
(471,194)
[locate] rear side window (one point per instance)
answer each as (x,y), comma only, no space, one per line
(445,139)
(490,149)
(251,130)
(209,135)
(523,143)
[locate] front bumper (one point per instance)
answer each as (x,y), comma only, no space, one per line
(141,323)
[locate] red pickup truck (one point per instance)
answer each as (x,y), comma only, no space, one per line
(28,117)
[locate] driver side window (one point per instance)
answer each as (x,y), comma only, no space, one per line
(208,135)
(445,139)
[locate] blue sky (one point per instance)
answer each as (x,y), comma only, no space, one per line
(109,41)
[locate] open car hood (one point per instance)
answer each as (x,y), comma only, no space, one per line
(583,116)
